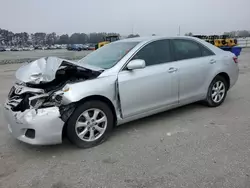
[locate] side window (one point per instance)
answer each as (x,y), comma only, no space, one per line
(156,52)
(186,49)
(205,52)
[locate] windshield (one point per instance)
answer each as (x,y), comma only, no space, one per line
(108,55)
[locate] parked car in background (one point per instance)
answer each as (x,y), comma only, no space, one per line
(26,49)
(69,47)
(85,47)
(120,82)
(64,46)
(75,47)
(2,49)
(51,47)
(79,47)
(15,49)
(37,47)
(7,48)
(58,46)
(91,47)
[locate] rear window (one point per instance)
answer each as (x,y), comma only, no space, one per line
(186,49)
(205,51)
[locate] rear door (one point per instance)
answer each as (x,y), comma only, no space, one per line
(152,87)
(195,63)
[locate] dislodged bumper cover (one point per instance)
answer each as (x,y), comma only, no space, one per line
(46,122)
(44,69)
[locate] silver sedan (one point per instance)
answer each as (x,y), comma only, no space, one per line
(120,82)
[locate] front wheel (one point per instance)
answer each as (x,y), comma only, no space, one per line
(90,124)
(217,92)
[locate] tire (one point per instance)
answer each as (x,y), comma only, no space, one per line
(210,100)
(77,116)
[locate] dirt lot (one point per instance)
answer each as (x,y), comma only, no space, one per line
(192,146)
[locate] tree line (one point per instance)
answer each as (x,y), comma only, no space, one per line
(40,38)
(9,38)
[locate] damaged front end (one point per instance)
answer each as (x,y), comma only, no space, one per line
(34,108)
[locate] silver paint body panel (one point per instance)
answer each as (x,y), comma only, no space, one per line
(135,93)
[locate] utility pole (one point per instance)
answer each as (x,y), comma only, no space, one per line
(179,31)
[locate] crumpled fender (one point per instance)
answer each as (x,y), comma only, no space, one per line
(102,86)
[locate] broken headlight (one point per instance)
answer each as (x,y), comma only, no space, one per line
(37,101)
(46,100)
(54,100)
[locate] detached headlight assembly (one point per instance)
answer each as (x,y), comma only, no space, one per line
(36,103)
(38,100)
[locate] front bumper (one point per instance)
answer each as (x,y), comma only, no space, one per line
(46,124)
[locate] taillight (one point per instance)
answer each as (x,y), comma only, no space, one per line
(235,59)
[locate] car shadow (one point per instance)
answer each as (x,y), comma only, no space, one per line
(165,116)
(146,122)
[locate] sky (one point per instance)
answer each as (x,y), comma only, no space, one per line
(146,17)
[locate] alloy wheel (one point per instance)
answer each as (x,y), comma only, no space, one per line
(218,91)
(91,124)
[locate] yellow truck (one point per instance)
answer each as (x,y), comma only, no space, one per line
(107,40)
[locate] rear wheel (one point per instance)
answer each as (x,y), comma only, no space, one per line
(217,92)
(90,124)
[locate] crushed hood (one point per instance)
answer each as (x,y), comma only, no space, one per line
(44,69)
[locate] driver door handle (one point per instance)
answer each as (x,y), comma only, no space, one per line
(172,70)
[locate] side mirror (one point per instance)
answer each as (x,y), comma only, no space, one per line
(136,64)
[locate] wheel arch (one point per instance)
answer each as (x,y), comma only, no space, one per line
(96,98)
(226,77)
(102,99)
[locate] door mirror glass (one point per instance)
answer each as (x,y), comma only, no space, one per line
(136,64)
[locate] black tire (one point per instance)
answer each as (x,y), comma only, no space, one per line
(71,132)
(209,101)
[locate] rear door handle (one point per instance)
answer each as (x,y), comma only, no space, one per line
(212,61)
(172,69)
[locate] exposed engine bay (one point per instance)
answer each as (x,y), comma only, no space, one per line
(40,83)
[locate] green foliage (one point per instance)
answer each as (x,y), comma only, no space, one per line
(40,38)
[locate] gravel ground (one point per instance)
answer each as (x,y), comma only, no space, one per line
(192,146)
(27,56)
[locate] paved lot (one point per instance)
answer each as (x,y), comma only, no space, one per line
(192,146)
(23,56)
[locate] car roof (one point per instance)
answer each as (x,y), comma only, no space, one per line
(152,38)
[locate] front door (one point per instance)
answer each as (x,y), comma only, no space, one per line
(152,87)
